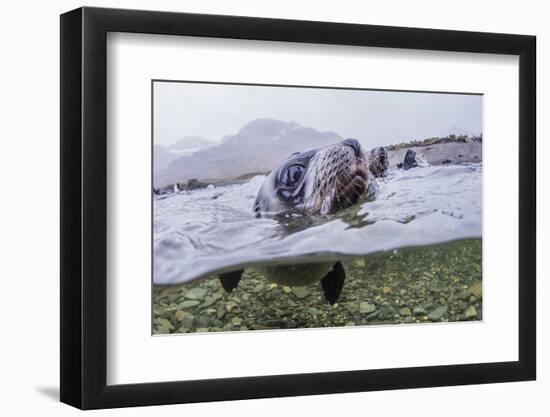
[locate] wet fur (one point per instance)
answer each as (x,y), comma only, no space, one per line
(335,177)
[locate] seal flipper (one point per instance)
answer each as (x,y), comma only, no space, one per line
(333,282)
(230,280)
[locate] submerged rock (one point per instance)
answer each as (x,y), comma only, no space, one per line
(300,292)
(196,293)
(419,311)
(476,289)
(188,304)
(438,313)
(386,313)
(405,311)
(366,308)
(470,313)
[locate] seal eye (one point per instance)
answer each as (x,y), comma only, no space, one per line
(292,175)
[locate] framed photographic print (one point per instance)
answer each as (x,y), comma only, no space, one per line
(257,207)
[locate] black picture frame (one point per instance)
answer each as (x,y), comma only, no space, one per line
(84,207)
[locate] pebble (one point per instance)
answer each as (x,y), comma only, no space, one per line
(470,312)
(220,312)
(209,300)
(187,321)
(259,327)
(188,304)
(366,308)
(165,323)
(196,293)
(277,323)
(360,263)
(419,311)
(207,322)
(373,316)
(476,289)
(386,290)
(237,321)
(259,288)
(162,330)
(286,289)
(201,329)
(386,313)
(300,292)
(437,313)
(405,311)
(230,306)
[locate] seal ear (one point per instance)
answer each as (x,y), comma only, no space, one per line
(333,282)
(230,280)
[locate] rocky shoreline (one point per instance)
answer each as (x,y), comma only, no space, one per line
(442,153)
(440,283)
(434,152)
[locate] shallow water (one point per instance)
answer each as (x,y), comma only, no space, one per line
(203,231)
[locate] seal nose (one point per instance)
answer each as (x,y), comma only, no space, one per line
(353,144)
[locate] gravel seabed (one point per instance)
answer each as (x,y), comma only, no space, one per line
(440,283)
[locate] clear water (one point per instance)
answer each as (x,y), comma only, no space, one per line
(202,231)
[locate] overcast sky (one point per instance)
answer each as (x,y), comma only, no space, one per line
(373,117)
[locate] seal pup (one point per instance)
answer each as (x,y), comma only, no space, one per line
(378,161)
(318,181)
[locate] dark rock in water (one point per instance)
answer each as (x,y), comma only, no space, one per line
(194,183)
(446,161)
(409,161)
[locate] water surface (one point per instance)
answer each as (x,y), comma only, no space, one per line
(202,231)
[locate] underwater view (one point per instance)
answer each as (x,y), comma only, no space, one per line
(437,283)
(283,226)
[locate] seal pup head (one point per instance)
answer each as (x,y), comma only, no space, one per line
(322,180)
(378,161)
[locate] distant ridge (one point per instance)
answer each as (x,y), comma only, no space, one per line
(257,147)
(189,144)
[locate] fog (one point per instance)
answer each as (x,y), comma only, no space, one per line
(373,117)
